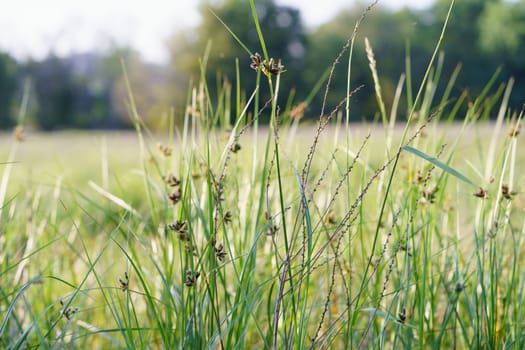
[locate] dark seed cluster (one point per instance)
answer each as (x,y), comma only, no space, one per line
(268,68)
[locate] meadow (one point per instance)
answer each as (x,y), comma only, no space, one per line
(228,233)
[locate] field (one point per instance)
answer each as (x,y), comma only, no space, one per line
(100,250)
(225,232)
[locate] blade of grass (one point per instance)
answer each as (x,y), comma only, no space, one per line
(439,164)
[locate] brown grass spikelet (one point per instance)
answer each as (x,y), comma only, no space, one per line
(172,180)
(418,177)
(298,110)
(18,133)
(175,196)
(164,150)
(227,218)
(193,111)
(124,283)
(236,147)
(268,68)
(68,312)
(506,192)
(180,227)
(219,252)
(331,219)
(429,196)
(402,316)
(482,193)
(515,130)
(191,278)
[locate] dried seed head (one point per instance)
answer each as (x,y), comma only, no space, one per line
(481,193)
(273,68)
(331,218)
(459,287)
(272,230)
(18,133)
(429,196)
(236,147)
(298,110)
(402,316)
(268,68)
(124,283)
(195,112)
(164,150)
(191,278)
(506,192)
(180,227)
(219,252)
(175,196)
(172,180)
(69,312)
(418,177)
(190,249)
(256,61)
(515,130)
(228,217)
(220,193)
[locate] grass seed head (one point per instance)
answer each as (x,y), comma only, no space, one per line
(228,217)
(236,147)
(181,228)
(69,312)
(268,68)
(164,150)
(172,180)
(482,193)
(219,252)
(298,110)
(515,130)
(124,283)
(402,316)
(506,192)
(175,196)
(18,134)
(191,278)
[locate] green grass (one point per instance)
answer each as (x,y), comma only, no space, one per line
(232,234)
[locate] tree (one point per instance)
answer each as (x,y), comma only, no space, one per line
(53,89)
(484,35)
(388,33)
(283,34)
(147,83)
(8,89)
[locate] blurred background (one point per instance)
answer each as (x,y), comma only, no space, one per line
(67,54)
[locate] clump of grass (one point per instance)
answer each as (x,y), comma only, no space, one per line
(290,238)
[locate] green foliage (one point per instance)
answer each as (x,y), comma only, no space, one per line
(212,42)
(292,236)
(88,90)
(9,81)
(54,92)
(388,34)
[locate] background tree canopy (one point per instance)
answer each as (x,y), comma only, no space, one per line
(214,46)
(88,90)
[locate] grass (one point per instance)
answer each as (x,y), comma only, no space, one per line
(230,234)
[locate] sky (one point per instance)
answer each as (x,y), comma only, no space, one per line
(35,28)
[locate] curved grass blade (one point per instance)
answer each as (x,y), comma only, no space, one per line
(439,164)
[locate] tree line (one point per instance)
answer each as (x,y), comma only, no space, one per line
(89,90)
